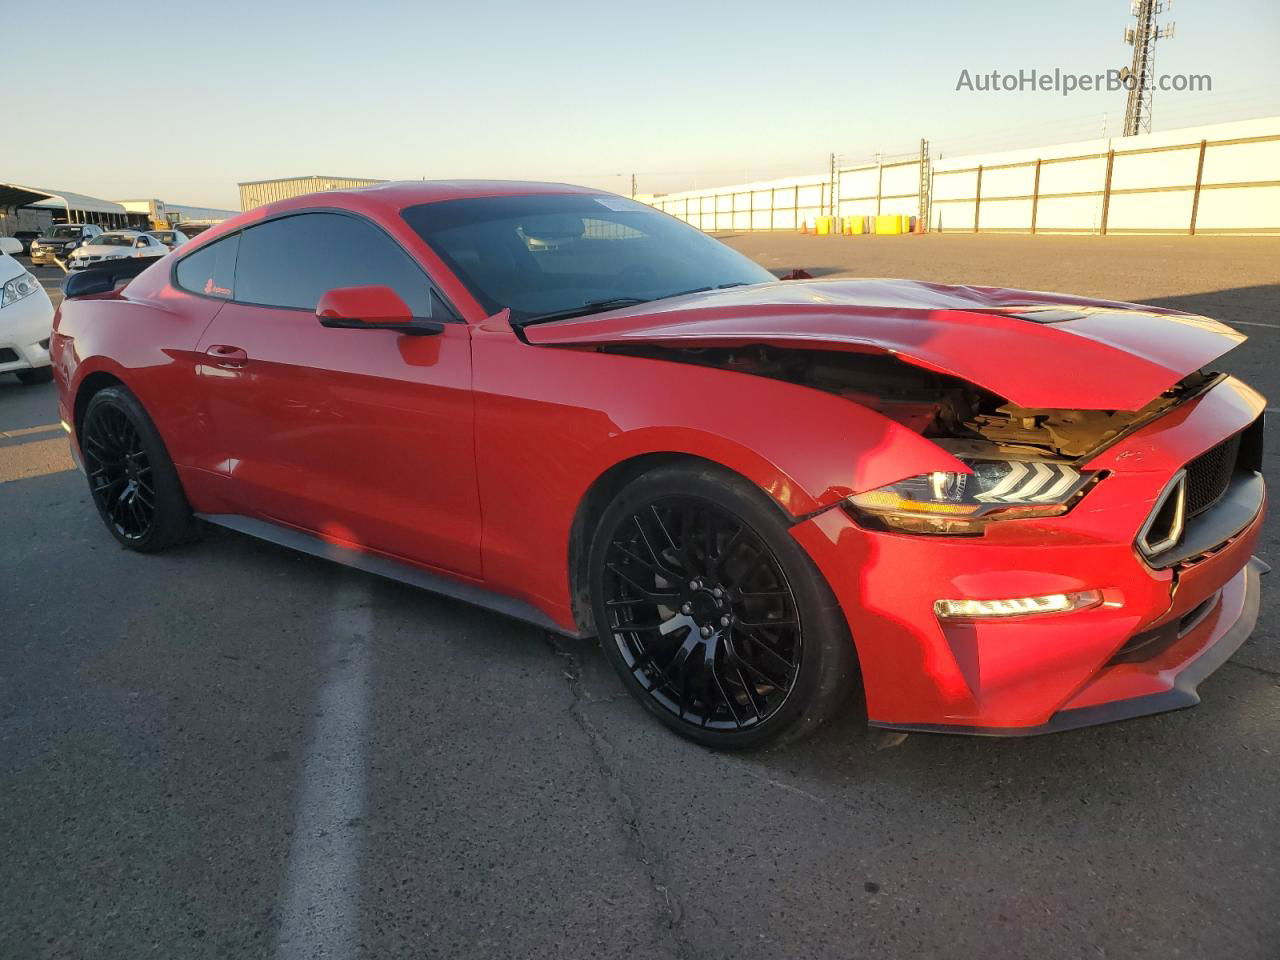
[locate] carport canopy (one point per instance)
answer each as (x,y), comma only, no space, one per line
(77,206)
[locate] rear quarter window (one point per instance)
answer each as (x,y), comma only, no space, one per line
(211,270)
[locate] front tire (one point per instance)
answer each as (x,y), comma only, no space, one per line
(716,620)
(133,482)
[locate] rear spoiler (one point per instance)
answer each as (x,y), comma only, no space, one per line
(103,276)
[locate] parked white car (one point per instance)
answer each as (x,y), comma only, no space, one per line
(116,245)
(172,239)
(26,319)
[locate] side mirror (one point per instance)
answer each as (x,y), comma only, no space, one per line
(371,308)
(11,246)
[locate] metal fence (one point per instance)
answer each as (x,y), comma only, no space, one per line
(1223,178)
(1152,189)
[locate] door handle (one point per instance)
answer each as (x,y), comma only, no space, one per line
(225,356)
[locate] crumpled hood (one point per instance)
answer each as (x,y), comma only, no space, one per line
(1034,349)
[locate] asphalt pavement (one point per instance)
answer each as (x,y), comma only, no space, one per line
(228,750)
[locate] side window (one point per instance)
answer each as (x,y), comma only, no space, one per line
(210,270)
(293,261)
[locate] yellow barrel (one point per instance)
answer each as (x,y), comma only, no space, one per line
(824,226)
(855,225)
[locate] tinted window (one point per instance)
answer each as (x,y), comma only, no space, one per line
(543,254)
(293,261)
(210,270)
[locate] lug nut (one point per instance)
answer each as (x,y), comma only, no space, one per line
(717,592)
(705,631)
(694,584)
(724,621)
(687,609)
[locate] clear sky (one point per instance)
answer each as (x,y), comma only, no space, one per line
(180,100)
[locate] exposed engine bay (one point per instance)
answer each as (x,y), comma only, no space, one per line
(961,417)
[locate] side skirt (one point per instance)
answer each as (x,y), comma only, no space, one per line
(384,566)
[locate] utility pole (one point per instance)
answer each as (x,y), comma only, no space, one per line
(1142,37)
(922,203)
(831,194)
(633,186)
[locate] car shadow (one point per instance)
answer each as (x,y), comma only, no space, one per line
(1256,304)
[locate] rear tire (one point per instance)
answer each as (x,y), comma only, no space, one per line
(131,477)
(716,620)
(35,375)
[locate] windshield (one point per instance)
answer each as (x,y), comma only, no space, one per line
(543,255)
(112,240)
(65,230)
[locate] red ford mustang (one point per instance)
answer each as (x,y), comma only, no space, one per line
(988,510)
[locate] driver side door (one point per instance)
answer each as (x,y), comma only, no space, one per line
(364,437)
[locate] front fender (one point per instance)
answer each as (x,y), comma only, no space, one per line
(550,421)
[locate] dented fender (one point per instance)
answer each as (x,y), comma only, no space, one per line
(551,422)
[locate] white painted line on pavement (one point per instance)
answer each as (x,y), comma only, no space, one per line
(320,919)
(1252,323)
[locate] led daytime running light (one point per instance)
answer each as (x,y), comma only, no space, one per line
(1016,606)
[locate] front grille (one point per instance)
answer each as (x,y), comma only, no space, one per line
(1209,474)
(8,355)
(1207,502)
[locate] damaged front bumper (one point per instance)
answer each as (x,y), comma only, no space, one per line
(1158,633)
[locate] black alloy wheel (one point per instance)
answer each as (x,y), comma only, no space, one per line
(133,482)
(704,614)
(119,472)
(722,627)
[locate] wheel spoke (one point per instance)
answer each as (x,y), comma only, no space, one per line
(655,567)
(663,527)
(767,623)
(636,584)
(724,694)
(664,598)
(657,557)
(781,662)
(747,691)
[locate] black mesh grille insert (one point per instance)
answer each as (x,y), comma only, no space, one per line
(1209,474)
(8,355)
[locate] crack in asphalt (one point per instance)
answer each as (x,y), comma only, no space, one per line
(1273,674)
(671,915)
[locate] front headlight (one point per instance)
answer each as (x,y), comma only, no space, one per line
(964,503)
(17,288)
